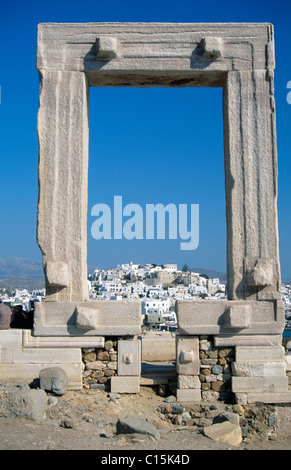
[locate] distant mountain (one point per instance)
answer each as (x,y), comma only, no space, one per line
(210,273)
(14,267)
(21,283)
(91,268)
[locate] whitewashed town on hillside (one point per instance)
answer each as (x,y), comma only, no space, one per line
(156,286)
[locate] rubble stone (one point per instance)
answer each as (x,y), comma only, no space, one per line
(53,379)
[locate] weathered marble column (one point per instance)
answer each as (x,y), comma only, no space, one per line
(253,267)
(63,175)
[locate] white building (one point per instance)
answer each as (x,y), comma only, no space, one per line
(171,268)
(111,286)
(155,306)
(156,291)
(194,289)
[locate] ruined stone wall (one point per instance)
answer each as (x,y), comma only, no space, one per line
(254,367)
(100,364)
(115,366)
(204,370)
(215,370)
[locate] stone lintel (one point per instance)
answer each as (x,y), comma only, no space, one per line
(105,50)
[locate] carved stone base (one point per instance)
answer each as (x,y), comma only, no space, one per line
(101,318)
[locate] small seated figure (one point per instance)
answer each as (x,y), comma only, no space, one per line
(20,318)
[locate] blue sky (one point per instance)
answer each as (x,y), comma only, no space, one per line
(152,145)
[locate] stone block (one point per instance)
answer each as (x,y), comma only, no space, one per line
(157,347)
(259,353)
(210,378)
(260,384)
(225,432)
(258,369)
(47,356)
(261,274)
(10,338)
(241,398)
(57,273)
(212,47)
(238,316)
(74,342)
(189,381)
(86,318)
(197,317)
(112,318)
(125,384)
(210,395)
(6,355)
(187,353)
(95,365)
(106,47)
(188,394)
(247,340)
(129,357)
(30,372)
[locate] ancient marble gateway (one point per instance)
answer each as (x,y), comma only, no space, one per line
(236,57)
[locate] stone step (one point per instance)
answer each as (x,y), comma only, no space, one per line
(157,373)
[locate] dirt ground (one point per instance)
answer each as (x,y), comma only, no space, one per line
(86,420)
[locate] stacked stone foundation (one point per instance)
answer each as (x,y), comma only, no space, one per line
(114,367)
(215,368)
(241,369)
(90,362)
(100,365)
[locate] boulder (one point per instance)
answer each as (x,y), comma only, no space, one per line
(225,432)
(227,416)
(136,425)
(54,379)
(30,404)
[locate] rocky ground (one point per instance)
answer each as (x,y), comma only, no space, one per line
(87,420)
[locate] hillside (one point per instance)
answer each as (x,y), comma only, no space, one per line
(211,273)
(15,267)
(23,273)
